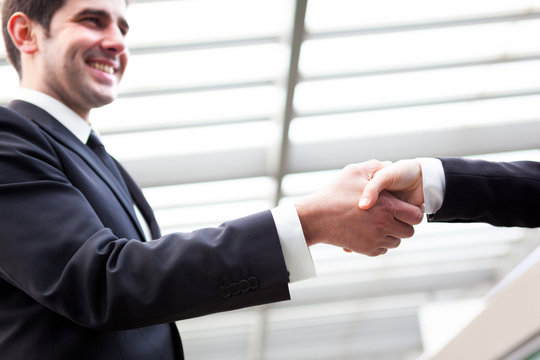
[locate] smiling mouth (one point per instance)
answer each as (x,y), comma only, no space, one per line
(102,67)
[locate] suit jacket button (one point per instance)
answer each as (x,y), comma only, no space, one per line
(224,291)
(234,288)
(244,285)
(253,283)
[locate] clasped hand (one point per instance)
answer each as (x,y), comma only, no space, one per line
(333,215)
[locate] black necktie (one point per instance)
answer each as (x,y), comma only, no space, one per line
(97,147)
(127,183)
(143,205)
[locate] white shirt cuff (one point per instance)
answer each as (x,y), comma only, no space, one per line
(434,184)
(293,243)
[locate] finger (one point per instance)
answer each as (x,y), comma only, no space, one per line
(391,242)
(380,181)
(377,252)
(407,213)
(376,166)
(399,230)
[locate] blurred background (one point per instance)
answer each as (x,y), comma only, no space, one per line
(261,101)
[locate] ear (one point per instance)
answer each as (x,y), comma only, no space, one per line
(22,32)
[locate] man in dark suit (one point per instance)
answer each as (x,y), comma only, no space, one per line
(78,280)
(462,190)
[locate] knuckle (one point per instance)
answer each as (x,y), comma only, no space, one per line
(372,253)
(373,163)
(419,217)
(350,168)
(409,232)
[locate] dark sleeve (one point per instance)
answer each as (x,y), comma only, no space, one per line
(55,249)
(499,193)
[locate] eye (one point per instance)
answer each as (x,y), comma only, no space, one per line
(123,26)
(123,31)
(94,20)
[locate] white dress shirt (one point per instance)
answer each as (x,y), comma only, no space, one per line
(297,257)
(434,184)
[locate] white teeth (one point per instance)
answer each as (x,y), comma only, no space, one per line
(102,67)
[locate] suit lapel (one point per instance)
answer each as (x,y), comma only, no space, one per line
(140,201)
(61,134)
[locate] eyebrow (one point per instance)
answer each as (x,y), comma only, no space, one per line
(122,22)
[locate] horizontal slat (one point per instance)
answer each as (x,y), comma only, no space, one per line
(199,167)
(421,25)
(326,155)
(448,142)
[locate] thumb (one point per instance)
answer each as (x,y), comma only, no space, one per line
(369,196)
(373,188)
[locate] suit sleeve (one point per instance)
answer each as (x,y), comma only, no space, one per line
(55,249)
(498,193)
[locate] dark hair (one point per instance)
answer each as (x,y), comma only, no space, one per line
(41,11)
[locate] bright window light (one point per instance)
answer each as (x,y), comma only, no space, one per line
(422,47)
(305,183)
(324,15)
(415,119)
(187,109)
(192,140)
(475,81)
(205,67)
(192,21)
(2,47)
(174,196)
(10,82)
(195,217)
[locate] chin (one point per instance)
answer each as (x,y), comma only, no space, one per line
(104,99)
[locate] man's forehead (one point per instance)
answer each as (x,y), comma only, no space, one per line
(102,13)
(113,8)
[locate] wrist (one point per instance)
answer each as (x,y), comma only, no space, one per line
(307,213)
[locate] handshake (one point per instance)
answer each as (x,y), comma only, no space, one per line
(368,209)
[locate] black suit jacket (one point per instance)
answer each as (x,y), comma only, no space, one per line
(76,281)
(499,193)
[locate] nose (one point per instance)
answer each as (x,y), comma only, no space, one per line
(114,41)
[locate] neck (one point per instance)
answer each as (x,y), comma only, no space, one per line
(84,114)
(53,105)
(30,80)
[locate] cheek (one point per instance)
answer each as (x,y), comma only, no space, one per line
(124,62)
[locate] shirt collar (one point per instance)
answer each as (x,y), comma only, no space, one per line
(67,117)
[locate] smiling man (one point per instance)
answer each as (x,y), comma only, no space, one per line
(80,58)
(79,276)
